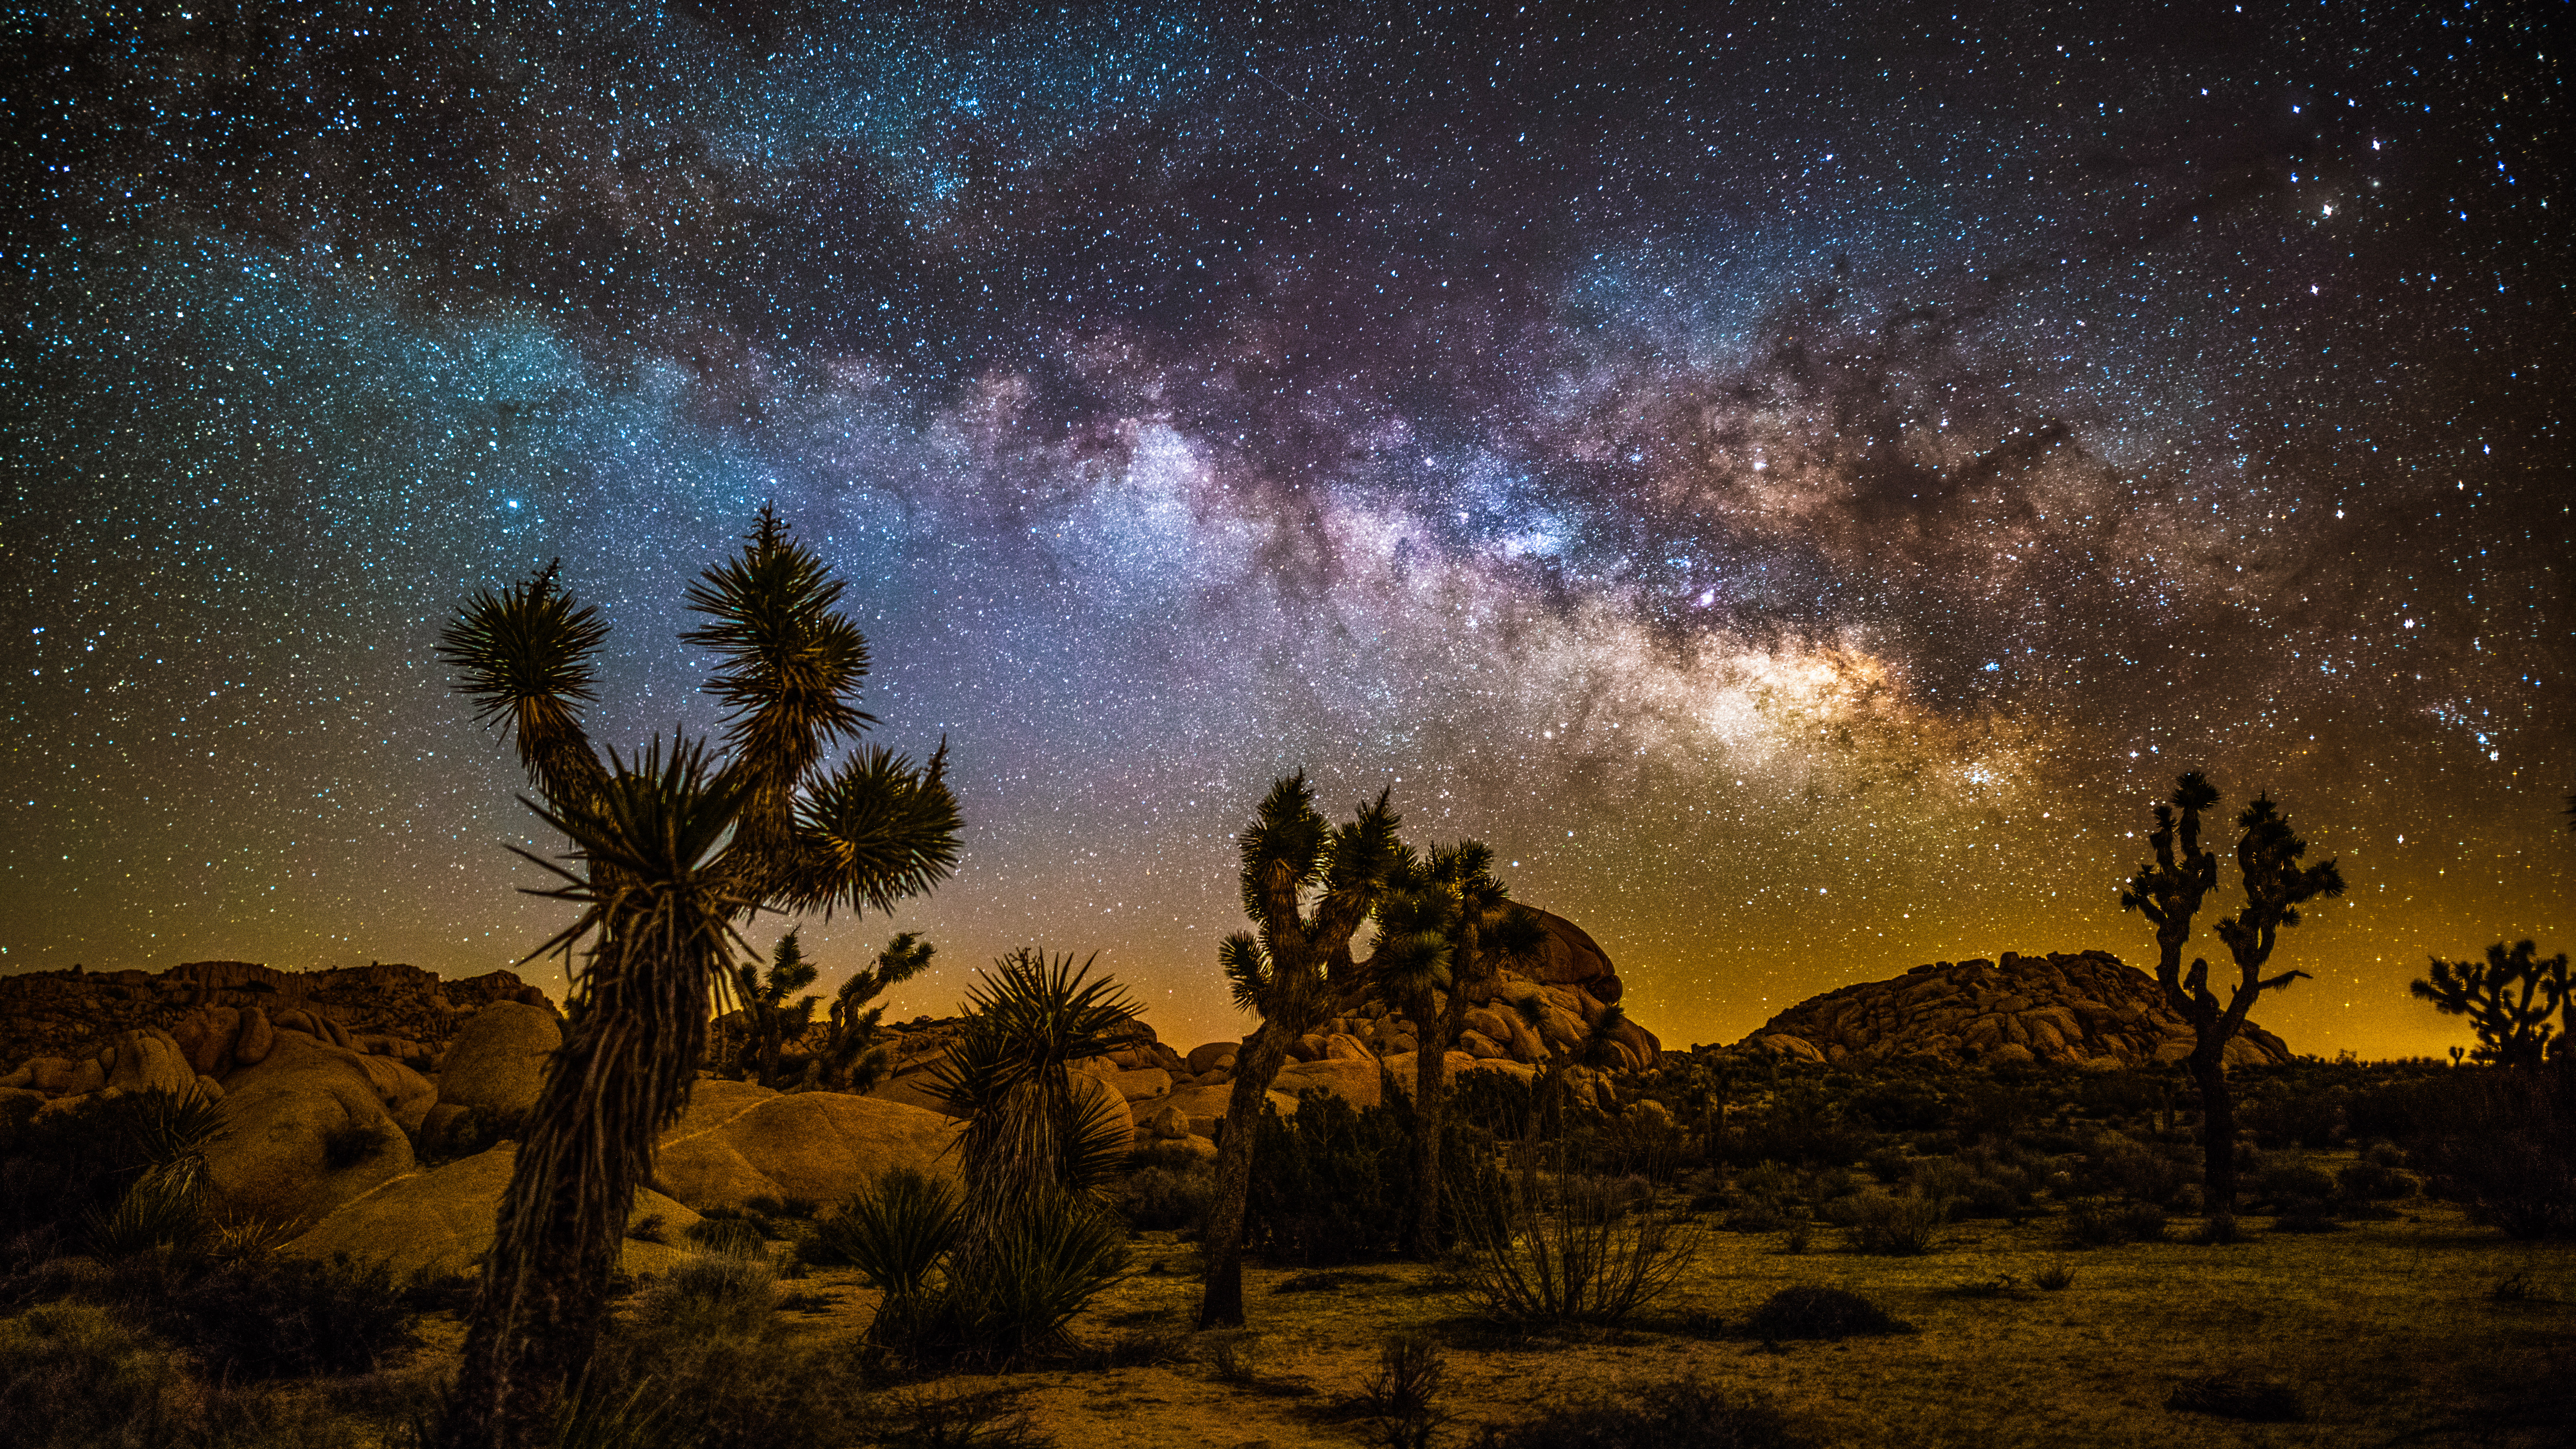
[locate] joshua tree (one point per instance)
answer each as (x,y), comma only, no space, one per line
(1308,886)
(671,852)
(1445,927)
(852,1061)
(2169,891)
(2508,1000)
(768,1020)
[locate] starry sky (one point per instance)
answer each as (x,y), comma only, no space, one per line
(1798,480)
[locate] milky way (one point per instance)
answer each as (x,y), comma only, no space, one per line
(1798,481)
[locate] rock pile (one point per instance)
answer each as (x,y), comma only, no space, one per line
(2079,1009)
(399,1011)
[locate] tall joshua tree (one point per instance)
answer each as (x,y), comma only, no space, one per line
(2169,890)
(1308,887)
(768,1019)
(852,1060)
(1446,926)
(2508,999)
(669,854)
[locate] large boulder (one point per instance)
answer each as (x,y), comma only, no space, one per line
(283,1117)
(1204,1057)
(738,1142)
(443,1220)
(498,1060)
(150,1061)
(1354,1081)
(1203,1108)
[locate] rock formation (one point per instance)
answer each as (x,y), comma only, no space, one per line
(2080,1009)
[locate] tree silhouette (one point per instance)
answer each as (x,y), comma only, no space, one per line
(2169,890)
(1308,886)
(671,852)
(1445,927)
(768,1020)
(852,1061)
(2508,999)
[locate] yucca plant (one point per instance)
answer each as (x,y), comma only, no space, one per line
(896,1234)
(1035,1238)
(852,1061)
(1308,886)
(669,853)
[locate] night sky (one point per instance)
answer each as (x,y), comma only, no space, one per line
(1798,480)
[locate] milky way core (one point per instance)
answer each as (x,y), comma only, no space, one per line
(1799,481)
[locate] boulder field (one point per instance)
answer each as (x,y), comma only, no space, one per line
(335,1086)
(2086,1009)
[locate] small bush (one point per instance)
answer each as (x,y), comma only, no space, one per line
(725,1381)
(266,1318)
(1685,1415)
(71,1377)
(433,1290)
(1557,1247)
(1400,1398)
(1761,1217)
(2055,1278)
(648,1229)
(2218,1230)
(713,1292)
(1807,1311)
(2239,1396)
(2369,1181)
(1164,1199)
(963,1421)
(895,1235)
(1800,1236)
(730,1236)
(1330,1184)
(1902,1226)
(2519,1287)
(162,1210)
(2094,1223)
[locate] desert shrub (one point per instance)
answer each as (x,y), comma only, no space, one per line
(1999,1109)
(2055,1278)
(1899,1104)
(730,1236)
(431,1289)
(1330,1184)
(715,1292)
(72,1377)
(2101,1223)
(1164,1198)
(896,1235)
(648,1229)
(2115,1166)
(1011,1300)
(750,1217)
(1643,1142)
(1684,1415)
(1760,1217)
(2239,1396)
(268,1318)
(1400,1400)
(675,1374)
(1802,1124)
(2370,1181)
(163,1211)
(1552,1246)
(782,1208)
(1808,1311)
(1879,1223)
(1800,1234)
(2503,1142)
(71,1168)
(2218,1230)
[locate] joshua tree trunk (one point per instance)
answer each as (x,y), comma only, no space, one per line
(563,1218)
(1256,1066)
(1433,1031)
(2217,1127)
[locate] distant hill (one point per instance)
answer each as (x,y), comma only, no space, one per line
(2087,1007)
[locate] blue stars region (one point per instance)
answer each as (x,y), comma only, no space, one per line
(1797,480)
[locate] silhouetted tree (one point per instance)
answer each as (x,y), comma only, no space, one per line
(767,1018)
(851,1060)
(1445,928)
(1308,887)
(2169,890)
(670,853)
(2508,999)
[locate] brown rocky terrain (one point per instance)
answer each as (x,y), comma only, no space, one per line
(2087,1008)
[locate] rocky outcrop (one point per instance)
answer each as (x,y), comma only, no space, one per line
(305,1131)
(223,1013)
(498,1060)
(2084,1009)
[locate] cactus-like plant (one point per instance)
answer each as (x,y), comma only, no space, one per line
(2508,999)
